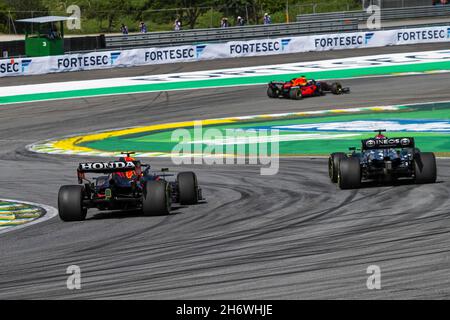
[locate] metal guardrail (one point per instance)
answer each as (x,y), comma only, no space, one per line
(396,3)
(70,49)
(386,14)
(229,34)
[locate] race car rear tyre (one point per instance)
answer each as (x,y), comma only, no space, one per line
(271,93)
(336,88)
(349,176)
(425,167)
(156,198)
(333,165)
(187,187)
(295,94)
(70,203)
(325,86)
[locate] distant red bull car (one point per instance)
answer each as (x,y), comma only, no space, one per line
(299,88)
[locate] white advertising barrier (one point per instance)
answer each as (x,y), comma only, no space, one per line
(234,49)
(326,42)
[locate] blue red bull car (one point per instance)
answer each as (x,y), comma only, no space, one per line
(299,88)
(126,184)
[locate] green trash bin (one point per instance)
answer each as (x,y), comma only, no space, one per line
(44,38)
(43,46)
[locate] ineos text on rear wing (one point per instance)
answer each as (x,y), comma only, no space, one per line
(404,142)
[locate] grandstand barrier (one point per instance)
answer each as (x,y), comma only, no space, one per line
(16,48)
(12,48)
(185,37)
(231,49)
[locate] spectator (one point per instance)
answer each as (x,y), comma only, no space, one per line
(124,29)
(444,2)
(177,24)
(240,21)
(267,19)
(143,27)
(53,33)
(224,23)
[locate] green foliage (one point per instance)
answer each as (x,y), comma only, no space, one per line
(98,16)
(209,19)
(3,16)
(319,6)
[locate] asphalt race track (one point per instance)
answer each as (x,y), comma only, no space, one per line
(290,236)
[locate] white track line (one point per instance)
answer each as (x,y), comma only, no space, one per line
(50,212)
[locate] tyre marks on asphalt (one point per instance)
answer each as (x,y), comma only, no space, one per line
(293,235)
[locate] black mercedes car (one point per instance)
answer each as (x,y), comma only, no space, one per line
(382,159)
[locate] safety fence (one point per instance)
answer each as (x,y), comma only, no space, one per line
(386,14)
(230,49)
(229,34)
(396,3)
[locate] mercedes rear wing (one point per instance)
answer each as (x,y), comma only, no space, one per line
(387,143)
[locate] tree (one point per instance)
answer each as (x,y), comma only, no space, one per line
(4,16)
(192,9)
(109,10)
(24,9)
(251,9)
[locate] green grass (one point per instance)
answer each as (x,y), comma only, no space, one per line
(427,141)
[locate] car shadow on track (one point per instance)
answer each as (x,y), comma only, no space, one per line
(396,183)
(127,214)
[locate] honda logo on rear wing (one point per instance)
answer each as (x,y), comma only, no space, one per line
(107,167)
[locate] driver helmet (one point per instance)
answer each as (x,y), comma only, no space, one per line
(301,81)
(128,174)
(126,159)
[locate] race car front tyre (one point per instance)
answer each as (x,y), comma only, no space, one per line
(336,88)
(319,91)
(70,203)
(333,165)
(187,187)
(295,94)
(271,93)
(349,176)
(425,167)
(156,198)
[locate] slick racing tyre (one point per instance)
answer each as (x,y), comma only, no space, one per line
(156,198)
(349,176)
(333,165)
(187,187)
(70,203)
(295,94)
(319,91)
(336,88)
(425,167)
(271,93)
